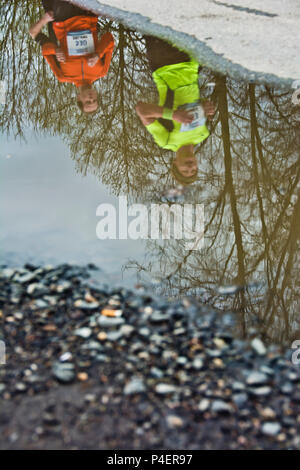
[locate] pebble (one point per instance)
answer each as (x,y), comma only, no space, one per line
(107,322)
(102,336)
(145,332)
(174,422)
(220,343)
(240,399)
(111,313)
(67,356)
(157,373)
(182,360)
(127,330)
(64,372)
(82,376)
(83,332)
(41,303)
(258,346)
(163,388)
(158,317)
(63,286)
(260,391)
(83,305)
(271,428)
(220,406)
(114,335)
(20,387)
(256,378)
(136,385)
(268,413)
(204,404)
(27,277)
(198,363)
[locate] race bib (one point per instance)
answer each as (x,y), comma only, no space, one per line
(199,118)
(80,43)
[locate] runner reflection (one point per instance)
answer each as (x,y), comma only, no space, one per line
(73,50)
(178,122)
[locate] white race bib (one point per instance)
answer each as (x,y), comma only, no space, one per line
(199,118)
(80,42)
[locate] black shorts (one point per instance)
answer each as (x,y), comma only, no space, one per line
(160,53)
(62,11)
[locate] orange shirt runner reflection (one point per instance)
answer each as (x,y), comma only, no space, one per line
(75,69)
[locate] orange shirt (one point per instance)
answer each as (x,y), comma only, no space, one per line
(75,69)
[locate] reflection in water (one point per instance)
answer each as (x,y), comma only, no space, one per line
(178,122)
(248,167)
(73,50)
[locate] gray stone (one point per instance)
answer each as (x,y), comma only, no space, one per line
(204,404)
(174,422)
(83,332)
(64,371)
(158,317)
(220,406)
(127,330)
(20,387)
(258,346)
(198,363)
(136,385)
(287,388)
(108,322)
(40,303)
(164,389)
(261,391)
(240,399)
(182,360)
(157,373)
(27,277)
(114,335)
(256,378)
(145,332)
(83,305)
(271,428)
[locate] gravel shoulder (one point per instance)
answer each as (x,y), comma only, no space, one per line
(94,368)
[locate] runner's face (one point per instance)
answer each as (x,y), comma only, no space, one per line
(189,168)
(186,163)
(88,97)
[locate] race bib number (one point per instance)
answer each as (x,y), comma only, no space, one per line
(199,118)
(80,43)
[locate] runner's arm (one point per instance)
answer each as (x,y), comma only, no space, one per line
(36,28)
(105,45)
(104,50)
(53,63)
(149,112)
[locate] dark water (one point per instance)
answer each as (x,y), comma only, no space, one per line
(62,164)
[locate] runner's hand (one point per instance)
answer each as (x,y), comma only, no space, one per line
(183,116)
(48,17)
(209,109)
(60,55)
(92,61)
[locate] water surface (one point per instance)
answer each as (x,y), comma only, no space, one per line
(64,164)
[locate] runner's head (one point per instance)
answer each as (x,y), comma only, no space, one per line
(87,99)
(184,167)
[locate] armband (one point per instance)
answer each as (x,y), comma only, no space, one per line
(168,114)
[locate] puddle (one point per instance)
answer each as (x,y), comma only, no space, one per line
(59,164)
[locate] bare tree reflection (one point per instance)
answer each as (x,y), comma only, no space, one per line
(249,170)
